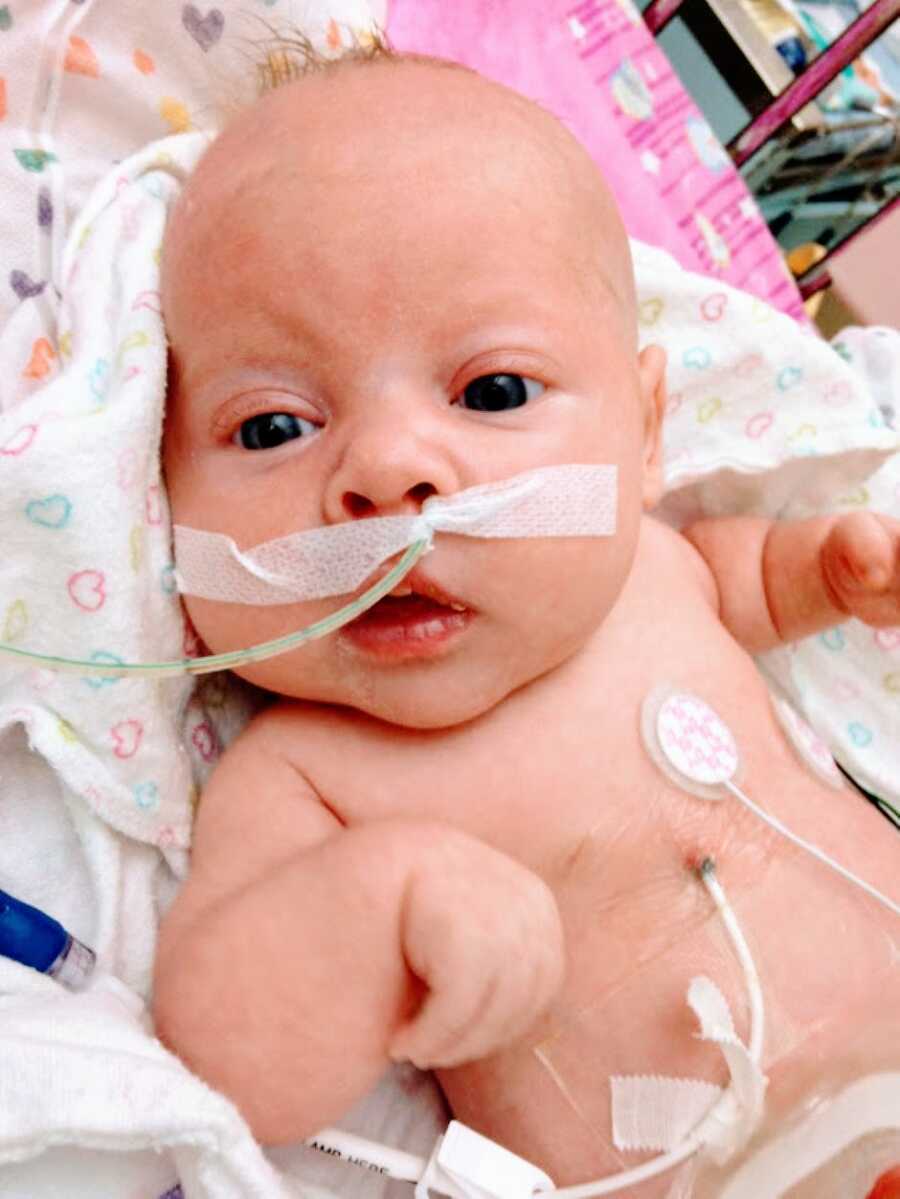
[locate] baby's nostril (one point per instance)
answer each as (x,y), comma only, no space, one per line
(421,492)
(358,505)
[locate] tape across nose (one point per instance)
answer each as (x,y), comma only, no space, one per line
(554,501)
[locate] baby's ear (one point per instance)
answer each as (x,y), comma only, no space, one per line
(652,376)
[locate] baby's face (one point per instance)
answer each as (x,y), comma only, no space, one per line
(386,283)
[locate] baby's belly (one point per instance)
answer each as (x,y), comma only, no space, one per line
(640,926)
(831,984)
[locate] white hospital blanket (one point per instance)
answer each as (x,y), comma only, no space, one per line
(96,782)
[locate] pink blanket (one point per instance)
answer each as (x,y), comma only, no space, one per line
(595,66)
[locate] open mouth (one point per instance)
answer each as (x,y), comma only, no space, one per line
(416,620)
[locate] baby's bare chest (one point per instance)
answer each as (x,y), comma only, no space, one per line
(561,777)
(562,769)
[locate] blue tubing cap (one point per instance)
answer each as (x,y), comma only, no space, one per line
(28,935)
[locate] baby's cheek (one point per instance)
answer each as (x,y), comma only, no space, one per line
(224,627)
(597,568)
(577,582)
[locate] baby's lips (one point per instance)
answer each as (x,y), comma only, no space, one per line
(417,582)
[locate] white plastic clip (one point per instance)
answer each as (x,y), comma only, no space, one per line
(466,1165)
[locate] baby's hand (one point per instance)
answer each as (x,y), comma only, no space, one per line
(483,934)
(861,565)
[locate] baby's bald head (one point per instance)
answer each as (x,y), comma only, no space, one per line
(391,130)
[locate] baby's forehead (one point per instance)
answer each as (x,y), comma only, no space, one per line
(389,127)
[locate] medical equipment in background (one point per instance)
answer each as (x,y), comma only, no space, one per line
(846,164)
(31,937)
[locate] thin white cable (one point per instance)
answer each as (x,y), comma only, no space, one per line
(627,1178)
(810,848)
(358,1151)
(744,956)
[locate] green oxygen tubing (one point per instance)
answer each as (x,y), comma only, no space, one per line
(239,657)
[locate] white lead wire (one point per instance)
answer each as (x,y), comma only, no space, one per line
(744,956)
(358,1151)
(630,1178)
(812,849)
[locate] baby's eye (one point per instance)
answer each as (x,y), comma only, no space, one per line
(499,393)
(269,430)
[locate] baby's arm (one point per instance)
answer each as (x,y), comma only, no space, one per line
(782,580)
(302,955)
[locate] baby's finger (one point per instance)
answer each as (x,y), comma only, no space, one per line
(860,554)
(508,1009)
(442,1029)
(482,1013)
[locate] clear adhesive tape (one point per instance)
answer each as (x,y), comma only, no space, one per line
(239,657)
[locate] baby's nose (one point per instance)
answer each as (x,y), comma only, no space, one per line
(355,503)
(390,469)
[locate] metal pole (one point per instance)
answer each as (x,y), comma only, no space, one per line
(820,72)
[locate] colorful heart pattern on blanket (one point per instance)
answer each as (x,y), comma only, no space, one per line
(34,160)
(40,363)
(15,623)
(87,589)
(19,441)
(143,61)
(126,738)
(24,286)
(205,29)
(51,512)
(44,209)
(80,58)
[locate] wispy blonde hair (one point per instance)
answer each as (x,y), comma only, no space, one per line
(288,54)
(268,56)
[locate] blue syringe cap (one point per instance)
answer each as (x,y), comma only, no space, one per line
(28,935)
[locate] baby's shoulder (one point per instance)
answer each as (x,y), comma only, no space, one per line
(286,724)
(672,558)
(305,733)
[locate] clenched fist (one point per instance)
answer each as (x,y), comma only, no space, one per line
(483,935)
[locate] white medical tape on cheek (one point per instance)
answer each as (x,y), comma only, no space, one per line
(552,501)
(314,564)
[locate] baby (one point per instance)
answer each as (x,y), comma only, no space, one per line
(445,841)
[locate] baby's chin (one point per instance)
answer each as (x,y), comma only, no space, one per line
(418,709)
(431,714)
(416,699)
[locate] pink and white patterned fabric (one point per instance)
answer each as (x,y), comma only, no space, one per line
(594,64)
(86,83)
